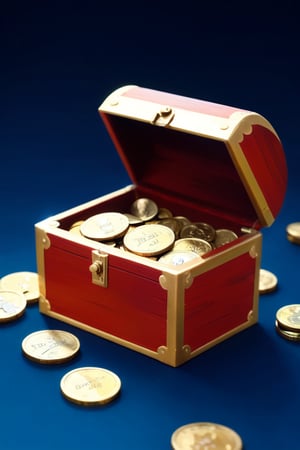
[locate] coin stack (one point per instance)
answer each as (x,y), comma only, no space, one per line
(287,322)
(150,231)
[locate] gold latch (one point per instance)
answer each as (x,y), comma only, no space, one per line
(99,268)
(164,116)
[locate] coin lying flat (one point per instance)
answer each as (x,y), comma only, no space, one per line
(149,240)
(288,317)
(50,346)
(197,245)
(25,282)
(90,386)
(205,436)
(12,305)
(293,232)
(105,226)
(267,281)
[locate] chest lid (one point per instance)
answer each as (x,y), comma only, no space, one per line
(226,159)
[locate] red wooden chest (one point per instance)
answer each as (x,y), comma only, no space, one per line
(207,162)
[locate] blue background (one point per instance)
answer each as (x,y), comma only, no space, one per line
(59,60)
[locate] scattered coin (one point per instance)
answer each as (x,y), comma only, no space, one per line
(204,436)
(25,282)
(267,281)
(288,317)
(293,232)
(12,305)
(90,386)
(50,346)
(149,240)
(144,208)
(176,258)
(105,226)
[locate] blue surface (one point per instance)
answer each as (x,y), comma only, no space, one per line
(58,62)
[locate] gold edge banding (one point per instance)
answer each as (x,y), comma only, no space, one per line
(110,337)
(249,181)
(42,242)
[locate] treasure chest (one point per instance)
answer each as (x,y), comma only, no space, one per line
(205,179)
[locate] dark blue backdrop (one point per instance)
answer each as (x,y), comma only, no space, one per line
(59,60)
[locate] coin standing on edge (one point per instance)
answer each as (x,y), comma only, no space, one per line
(50,346)
(267,281)
(12,305)
(90,386)
(205,435)
(144,208)
(25,282)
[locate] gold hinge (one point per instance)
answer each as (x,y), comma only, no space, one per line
(164,116)
(99,268)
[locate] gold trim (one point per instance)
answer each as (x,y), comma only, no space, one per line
(42,242)
(253,189)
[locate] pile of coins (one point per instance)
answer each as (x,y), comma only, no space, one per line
(287,322)
(150,231)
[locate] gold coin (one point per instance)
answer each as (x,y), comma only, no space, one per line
(133,220)
(144,208)
(164,213)
(12,305)
(105,226)
(267,281)
(75,227)
(50,346)
(90,386)
(176,258)
(172,223)
(208,232)
(25,282)
(224,236)
(204,436)
(288,317)
(149,240)
(286,334)
(293,232)
(196,245)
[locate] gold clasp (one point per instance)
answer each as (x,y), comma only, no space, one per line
(163,117)
(99,268)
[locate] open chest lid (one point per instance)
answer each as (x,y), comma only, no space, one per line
(224,159)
